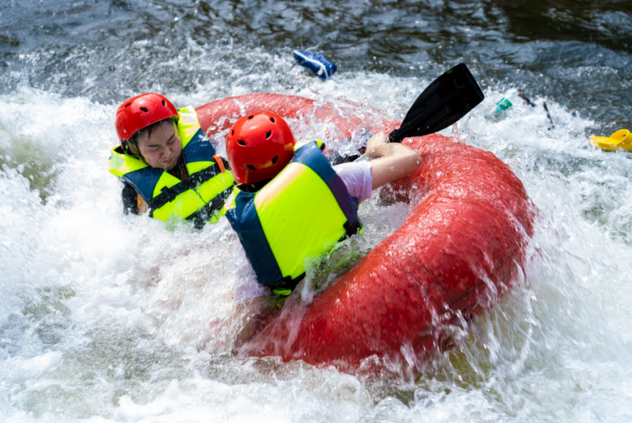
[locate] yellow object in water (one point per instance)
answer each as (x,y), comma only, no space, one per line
(620,139)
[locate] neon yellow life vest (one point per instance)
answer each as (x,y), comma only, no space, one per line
(200,197)
(299,214)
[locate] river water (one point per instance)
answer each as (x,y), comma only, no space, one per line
(112,318)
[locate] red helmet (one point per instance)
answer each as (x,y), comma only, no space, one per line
(259,146)
(141,111)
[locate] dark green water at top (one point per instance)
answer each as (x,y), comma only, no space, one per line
(577,53)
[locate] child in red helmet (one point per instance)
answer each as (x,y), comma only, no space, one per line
(292,205)
(168,166)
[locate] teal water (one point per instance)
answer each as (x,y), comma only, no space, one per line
(106,318)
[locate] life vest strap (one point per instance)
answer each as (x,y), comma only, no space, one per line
(202,216)
(220,163)
(169,194)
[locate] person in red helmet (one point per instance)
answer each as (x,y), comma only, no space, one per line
(168,166)
(290,204)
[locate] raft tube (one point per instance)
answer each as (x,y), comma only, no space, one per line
(458,252)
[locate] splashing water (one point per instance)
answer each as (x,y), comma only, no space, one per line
(106,317)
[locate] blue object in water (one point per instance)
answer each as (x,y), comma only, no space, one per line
(315,63)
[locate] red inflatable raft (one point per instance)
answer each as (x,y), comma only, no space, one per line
(459,250)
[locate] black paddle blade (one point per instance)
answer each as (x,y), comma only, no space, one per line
(446,100)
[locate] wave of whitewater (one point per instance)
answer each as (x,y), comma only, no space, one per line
(105,317)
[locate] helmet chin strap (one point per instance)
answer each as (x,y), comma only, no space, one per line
(130,148)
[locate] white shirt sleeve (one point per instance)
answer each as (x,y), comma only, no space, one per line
(357,178)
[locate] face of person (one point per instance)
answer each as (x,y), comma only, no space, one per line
(161,149)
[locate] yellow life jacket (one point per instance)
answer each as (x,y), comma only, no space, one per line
(200,197)
(299,214)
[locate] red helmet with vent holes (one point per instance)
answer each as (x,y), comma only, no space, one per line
(141,111)
(259,146)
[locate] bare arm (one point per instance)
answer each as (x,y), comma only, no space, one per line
(390,161)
